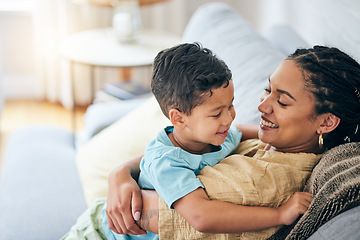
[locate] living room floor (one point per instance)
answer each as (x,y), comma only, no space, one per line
(21,113)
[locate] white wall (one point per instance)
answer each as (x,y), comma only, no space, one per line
(17,66)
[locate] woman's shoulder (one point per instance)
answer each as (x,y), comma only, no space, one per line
(249,147)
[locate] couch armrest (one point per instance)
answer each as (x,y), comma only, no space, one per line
(40,191)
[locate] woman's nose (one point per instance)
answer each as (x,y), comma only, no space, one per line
(265,106)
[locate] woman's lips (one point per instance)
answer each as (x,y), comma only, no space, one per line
(268,124)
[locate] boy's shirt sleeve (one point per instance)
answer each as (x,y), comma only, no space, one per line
(232,140)
(172,176)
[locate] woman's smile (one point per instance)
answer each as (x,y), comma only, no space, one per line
(264,124)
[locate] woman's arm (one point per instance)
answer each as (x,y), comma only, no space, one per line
(150,211)
(214,216)
(249,131)
(124,201)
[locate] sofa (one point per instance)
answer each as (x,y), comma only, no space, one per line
(50,175)
(1,95)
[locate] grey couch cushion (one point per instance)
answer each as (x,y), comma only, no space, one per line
(249,56)
(39,188)
(344,226)
(286,39)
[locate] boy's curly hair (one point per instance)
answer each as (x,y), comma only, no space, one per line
(183,74)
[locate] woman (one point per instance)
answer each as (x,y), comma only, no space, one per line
(312,104)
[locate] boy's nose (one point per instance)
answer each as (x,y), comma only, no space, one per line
(229,117)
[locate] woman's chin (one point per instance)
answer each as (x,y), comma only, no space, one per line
(268,134)
(266,137)
(262,136)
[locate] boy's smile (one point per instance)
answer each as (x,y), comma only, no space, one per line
(223,134)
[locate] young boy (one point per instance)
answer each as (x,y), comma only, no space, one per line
(195,91)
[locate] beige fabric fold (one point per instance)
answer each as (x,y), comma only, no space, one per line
(253,177)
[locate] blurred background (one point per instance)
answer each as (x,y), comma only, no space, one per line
(31,32)
(35,82)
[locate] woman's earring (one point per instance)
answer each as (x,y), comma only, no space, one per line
(321,141)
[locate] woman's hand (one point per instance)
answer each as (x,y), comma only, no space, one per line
(124,203)
(294,207)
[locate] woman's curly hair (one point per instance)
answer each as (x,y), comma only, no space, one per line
(333,78)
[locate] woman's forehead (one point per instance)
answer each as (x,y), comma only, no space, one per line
(287,74)
(289,77)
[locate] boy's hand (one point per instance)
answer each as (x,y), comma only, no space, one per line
(124,204)
(294,207)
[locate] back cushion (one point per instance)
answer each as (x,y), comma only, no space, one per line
(249,56)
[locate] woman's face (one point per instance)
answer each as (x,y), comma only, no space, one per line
(288,122)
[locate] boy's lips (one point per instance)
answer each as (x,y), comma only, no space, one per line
(223,134)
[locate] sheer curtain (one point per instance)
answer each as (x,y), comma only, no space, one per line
(54,20)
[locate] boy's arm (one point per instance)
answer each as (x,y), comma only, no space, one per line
(249,131)
(214,216)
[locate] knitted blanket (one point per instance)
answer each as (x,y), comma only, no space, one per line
(335,185)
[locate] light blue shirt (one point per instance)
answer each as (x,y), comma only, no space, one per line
(172,171)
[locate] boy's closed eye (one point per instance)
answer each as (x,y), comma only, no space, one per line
(217,115)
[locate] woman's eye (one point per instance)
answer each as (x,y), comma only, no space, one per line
(267,90)
(282,104)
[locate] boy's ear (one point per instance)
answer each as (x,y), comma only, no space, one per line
(329,123)
(177,118)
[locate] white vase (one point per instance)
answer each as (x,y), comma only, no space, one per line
(126,20)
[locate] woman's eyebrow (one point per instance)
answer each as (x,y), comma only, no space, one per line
(284,92)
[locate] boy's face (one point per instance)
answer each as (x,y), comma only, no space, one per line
(209,122)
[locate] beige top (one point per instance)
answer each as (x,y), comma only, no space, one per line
(253,177)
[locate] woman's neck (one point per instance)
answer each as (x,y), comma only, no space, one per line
(297,149)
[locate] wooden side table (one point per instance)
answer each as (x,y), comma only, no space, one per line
(100,48)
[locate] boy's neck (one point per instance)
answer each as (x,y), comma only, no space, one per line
(189,147)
